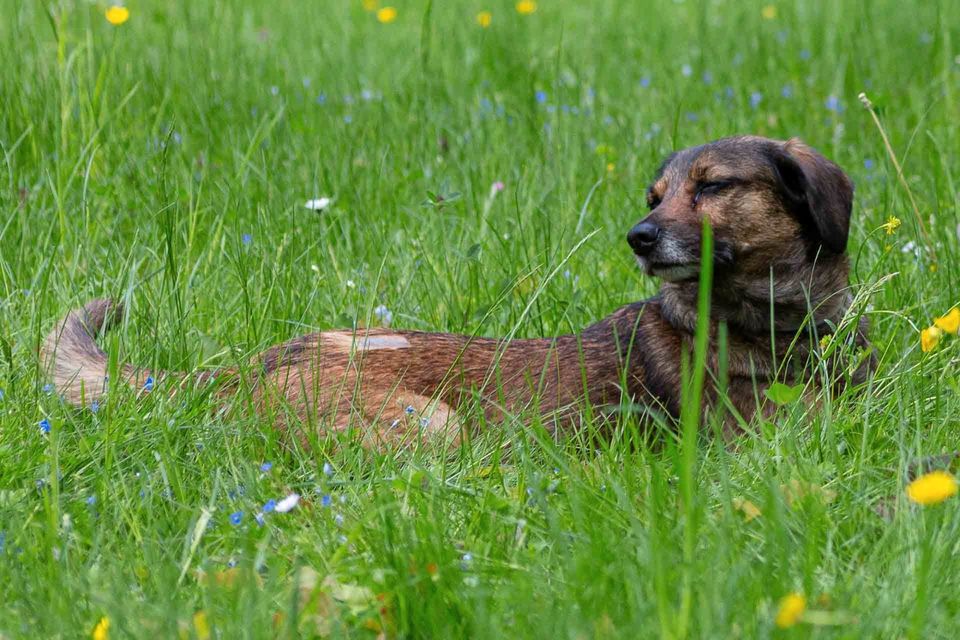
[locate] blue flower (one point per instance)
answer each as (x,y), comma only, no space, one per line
(832,103)
(707,77)
(686,70)
(348,118)
(266,466)
(541,96)
(269,505)
(327,469)
(1,394)
(246,238)
(755,99)
(44,426)
(326,500)
(645,82)
(92,500)
(148,384)
(322,98)
(338,519)
(409,410)
(236,517)
(48,388)
(787,91)
(804,54)
(868,164)
(94,406)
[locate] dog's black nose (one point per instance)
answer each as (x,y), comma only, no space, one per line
(643,237)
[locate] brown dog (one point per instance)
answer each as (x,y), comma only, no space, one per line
(780,214)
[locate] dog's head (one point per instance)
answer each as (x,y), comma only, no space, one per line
(769,203)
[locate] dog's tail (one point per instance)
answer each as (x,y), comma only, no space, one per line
(78,367)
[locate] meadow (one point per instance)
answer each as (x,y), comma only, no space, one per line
(483,162)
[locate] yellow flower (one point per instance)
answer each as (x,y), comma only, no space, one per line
(747,508)
(930,338)
(117,15)
(769,12)
(526,7)
(891,225)
(611,167)
(201,625)
(484,18)
(101,631)
(371,5)
(387,15)
(950,322)
(933,487)
(791,608)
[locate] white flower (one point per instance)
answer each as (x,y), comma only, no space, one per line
(383,314)
(318,204)
(287,503)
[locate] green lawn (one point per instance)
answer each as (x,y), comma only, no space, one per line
(166,161)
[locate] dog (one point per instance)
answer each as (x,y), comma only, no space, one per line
(780,217)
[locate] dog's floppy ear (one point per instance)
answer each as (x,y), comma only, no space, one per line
(817,188)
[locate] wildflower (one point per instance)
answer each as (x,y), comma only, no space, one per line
(318,204)
(409,410)
(755,99)
(707,77)
(258,517)
(611,167)
(94,407)
(326,500)
(117,15)
(92,500)
(236,517)
(867,164)
(201,626)
(148,384)
(787,91)
(44,426)
(930,338)
(246,238)
(288,503)
(791,608)
(101,631)
(266,466)
(327,469)
(484,18)
(645,82)
(384,315)
(1,394)
(496,188)
(269,505)
(950,323)
(526,7)
(338,519)
(747,508)
(891,225)
(541,96)
(769,12)
(370,5)
(932,488)
(805,54)
(48,388)
(387,15)
(686,70)
(832,103)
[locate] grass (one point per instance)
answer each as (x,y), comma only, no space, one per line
(166,162)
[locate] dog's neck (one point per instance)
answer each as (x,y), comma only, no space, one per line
(749,304)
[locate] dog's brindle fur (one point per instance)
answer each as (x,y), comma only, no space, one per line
(780,215)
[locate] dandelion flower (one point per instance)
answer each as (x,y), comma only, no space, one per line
(769,12)
(930,338)
(387,15)
(101,631)
(932,488)
(201,626)
(526,7)
(484,18)
(288,503)
(791,608)
(117,15)
(949,323)
(891,225)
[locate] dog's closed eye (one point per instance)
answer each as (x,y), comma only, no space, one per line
(711,188)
